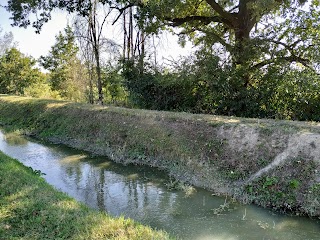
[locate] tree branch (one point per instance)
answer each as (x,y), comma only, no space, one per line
(203,19)
(219,39)
(303,61)
(121,10)
(290,59)
(232,9)
(288,47)
(103,22)
(215,6)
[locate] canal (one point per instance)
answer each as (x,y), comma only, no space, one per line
(151,197)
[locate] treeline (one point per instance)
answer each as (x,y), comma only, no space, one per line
(256,67)
(199,84)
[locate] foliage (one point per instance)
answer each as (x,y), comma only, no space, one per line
(67,75)
(41,90)
(245,29)
(21,10)
(260,46)
(255,58)
(113,85)
(17,72)
(200,84)
(156,90)
(298,95)
(248,30)
(285,191)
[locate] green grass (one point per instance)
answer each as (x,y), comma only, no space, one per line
(215,152)
(32,209)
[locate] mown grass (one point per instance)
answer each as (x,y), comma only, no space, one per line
(32,209)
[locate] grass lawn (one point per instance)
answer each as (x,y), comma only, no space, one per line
(30,208)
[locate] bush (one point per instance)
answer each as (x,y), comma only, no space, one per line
(201,84)
(41,90)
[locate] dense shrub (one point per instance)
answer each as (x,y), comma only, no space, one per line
(201,84)
(157,90)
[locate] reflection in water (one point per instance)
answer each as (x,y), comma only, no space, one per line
(140,193)
(14,139)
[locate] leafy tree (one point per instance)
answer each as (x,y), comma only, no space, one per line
(257,58)
(297,96)
(254,32)
(66,72)
(245,28)
(255,36)
(113,85)
(41,89)
(22,9)
(17,72)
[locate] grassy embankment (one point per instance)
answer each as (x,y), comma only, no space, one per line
(274,164)
(32,209)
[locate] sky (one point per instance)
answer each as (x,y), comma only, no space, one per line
(27,40)
(35,45)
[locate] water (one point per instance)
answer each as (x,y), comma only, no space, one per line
(141,193)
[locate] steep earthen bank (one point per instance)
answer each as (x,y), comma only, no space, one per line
(271,163)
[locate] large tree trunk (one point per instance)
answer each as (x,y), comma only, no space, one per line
(243,23)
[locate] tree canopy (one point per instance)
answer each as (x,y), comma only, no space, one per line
(252,32)
(17,72)
(66,72)
(254,58)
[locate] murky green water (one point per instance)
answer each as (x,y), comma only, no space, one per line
(141,193)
